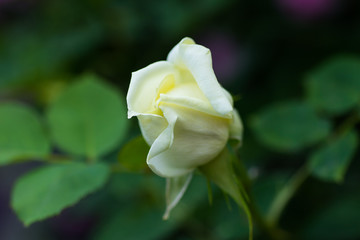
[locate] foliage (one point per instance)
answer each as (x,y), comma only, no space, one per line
(290,126)
(46,191)
(22,134)
(332,160)
(88,118)
(334,87)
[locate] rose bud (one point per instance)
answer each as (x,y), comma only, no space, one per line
(184,114)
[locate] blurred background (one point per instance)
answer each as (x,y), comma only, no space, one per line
(262,51)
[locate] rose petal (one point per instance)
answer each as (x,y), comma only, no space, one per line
(189,95)
(151,127)
(191,139)
(197,59)
(228,96)
(236,126)
(143,87)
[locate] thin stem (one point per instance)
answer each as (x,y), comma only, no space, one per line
(271,231)
(285,194)
(251,209)
(346,125)
(117,168)
(57,159)
(283,197)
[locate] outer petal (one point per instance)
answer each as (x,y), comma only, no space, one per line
(228,96)
(143,87)
(236,126)
(190,95)
(151,127)
(192,103)
(191,139)
(197,59)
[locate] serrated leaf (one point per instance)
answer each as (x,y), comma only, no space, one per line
(335,85)
(133,155)
(331,161)
(88,119)
(21,134)
(45,192)
(289,126)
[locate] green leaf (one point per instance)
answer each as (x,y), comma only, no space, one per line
(289,126)
(45,192)
(331,161)
(133,155)
(22,134)
(89,118)
(335,85)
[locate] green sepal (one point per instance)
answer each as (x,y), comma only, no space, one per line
(221,172)
(175,189)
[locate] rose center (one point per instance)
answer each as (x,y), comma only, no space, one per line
(167,84)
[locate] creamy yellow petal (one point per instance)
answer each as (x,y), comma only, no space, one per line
(236,127)
(197,60)
(144,86)
(189,95)
(151,127)
(191,139)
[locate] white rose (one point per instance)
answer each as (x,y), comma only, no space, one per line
(184,114)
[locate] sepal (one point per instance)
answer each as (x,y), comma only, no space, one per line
(175,189)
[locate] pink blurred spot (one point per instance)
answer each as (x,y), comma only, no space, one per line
(227,60)
(307,9)
(5,1)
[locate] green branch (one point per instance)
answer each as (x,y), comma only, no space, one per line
(283,197)
(290,188)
